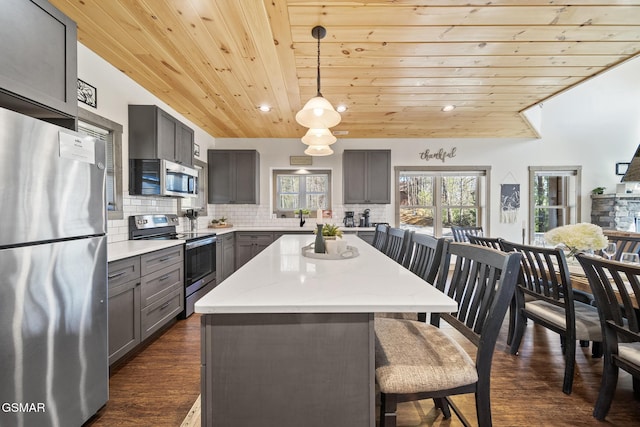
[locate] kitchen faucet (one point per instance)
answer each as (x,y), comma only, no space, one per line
(302,221)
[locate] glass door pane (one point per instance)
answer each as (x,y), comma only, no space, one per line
(416,202)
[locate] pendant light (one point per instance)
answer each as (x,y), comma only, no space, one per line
(319,137)
(318,150)
(318,113)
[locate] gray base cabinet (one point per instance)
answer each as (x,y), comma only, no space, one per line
(124,307)
(234,176)
(155,134)
(145,293)
(225,256)
(367,236)
(288,369)
(366,176)
(38,65)
(250,244)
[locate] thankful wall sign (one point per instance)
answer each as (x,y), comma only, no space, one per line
(441,154)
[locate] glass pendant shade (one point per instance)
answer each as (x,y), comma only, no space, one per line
(318,113)
(318,150)
(321,136)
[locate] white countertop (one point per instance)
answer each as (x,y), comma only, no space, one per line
(306,228)
(129,248)
(280,280)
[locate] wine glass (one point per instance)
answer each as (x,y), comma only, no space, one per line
(630,257)
(610,250)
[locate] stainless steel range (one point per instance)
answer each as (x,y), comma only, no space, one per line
(199,253)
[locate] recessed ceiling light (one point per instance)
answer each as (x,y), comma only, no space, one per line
(341,108)
(447,108)
(264,108)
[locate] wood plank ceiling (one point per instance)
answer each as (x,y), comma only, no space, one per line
(393,63)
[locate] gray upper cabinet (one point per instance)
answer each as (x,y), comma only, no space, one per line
(234,176)
(38,69)
(367,176)
(156,134)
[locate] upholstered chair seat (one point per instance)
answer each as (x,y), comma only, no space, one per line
(435,362)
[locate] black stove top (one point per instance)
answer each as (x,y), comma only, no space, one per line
(161,227)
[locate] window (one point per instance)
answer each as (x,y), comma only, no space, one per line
(294,190)
(111,133)
(431,200)
(554,198)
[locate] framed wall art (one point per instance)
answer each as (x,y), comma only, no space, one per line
(87,94)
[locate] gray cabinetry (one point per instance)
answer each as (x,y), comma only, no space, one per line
(38,65)
(155,134)
(225,256)
(234,176)
(145,293)
(162,288)
(367,236)
(367,176)
(250,244)
(124,307)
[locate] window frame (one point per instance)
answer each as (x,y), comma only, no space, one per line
(483,197)
(116,130)
(569,208)
(298,172)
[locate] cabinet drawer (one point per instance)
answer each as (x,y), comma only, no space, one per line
(124,270)
(159,313)
(158,284)
(160,259)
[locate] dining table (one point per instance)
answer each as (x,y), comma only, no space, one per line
(288,340)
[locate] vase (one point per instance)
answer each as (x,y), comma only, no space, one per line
(319,246)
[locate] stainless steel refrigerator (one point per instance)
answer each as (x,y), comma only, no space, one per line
(53,274)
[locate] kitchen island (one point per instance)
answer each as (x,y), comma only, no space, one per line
(288,340)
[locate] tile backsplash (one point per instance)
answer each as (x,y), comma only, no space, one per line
(238,215)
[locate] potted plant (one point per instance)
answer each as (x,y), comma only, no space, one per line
(305,212)
(331,231)
(598,190)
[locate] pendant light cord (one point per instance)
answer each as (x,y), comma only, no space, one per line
(318,80)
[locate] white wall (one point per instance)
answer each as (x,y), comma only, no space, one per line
(593,125)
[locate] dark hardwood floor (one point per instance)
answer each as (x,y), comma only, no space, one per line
(158,386)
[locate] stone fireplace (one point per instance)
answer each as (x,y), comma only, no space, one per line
(616,211)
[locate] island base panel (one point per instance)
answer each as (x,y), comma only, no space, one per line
(312,369)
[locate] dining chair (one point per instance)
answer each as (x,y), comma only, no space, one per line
(380,237)
(544,295)
(423,259)
(490,242)
(616,288)
(397,243)
(416,361)
(460,234)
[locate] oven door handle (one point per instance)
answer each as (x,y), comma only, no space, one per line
(202,242)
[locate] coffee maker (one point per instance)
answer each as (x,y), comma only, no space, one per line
(349,219)
(365,218)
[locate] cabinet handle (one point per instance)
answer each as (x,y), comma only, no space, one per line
(113,276)
(165,305)
(164,259)
(163,278)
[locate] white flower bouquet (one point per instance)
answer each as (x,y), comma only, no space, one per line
(577,237)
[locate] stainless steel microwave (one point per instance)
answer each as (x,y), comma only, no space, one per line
(162,178)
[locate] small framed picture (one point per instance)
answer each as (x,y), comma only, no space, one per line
(87,94)
(621,168)
(196,150)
